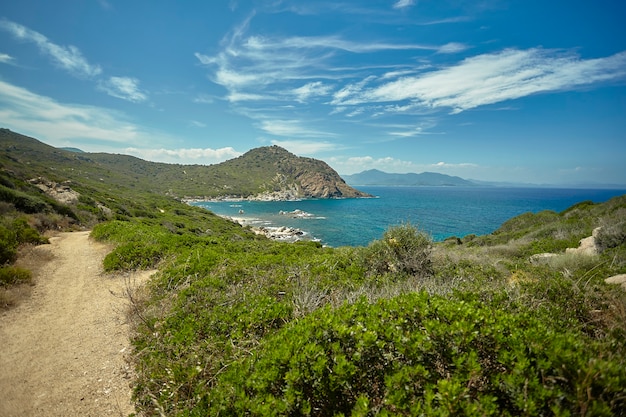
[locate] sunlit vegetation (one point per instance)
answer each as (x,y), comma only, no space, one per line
(236,324)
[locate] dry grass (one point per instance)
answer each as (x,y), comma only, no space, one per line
(14,295)
(34,259)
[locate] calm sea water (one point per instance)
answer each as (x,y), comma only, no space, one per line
(440,211)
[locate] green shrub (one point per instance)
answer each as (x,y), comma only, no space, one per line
(12,275)
(133,256)
(403,250)
(8,245)
(14,232)
(22,201)
(421,355)
(611,235)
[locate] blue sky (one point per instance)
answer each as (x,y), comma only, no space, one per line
(524,91)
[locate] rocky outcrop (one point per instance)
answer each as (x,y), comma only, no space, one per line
(62,193)
(586,246)
(617,280)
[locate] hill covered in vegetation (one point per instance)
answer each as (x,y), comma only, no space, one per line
(236,324)
(267,172)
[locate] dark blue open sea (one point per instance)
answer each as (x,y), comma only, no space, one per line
(440,211)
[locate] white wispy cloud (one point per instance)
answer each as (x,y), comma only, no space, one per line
(309,90)
(6,59)
(62,123)
(126,88)
(446,20)
(401,4)
(259,43)
(303,147)
(202,156)
(254,67)
(452,48)
(447,165)
(291,128)
(420,128)
(489,78)
(67,57)
(204,99)
(196,123)
(354,164)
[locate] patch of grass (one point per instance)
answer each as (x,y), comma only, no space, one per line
(13,275)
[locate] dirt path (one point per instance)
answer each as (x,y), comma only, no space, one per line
(63,350)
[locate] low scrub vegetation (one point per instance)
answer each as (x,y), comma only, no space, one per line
(236,324)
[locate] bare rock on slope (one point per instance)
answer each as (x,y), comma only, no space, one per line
(587,246)
(62,193)
(618,280)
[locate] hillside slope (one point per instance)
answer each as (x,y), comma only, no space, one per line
(280,173)
(268,172)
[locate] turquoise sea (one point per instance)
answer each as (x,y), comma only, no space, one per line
(440,211)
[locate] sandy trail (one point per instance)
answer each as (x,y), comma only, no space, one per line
(63,350)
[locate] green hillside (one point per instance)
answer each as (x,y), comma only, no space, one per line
(260,171)
(236,324)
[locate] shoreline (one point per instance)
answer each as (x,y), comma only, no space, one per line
(274,198)
(278,233)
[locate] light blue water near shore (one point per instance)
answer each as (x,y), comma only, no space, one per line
(440,211)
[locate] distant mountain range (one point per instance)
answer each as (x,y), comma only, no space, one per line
(376,177)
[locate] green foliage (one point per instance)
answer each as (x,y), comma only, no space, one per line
(12,275)
(403,250)
(22,201)
(235,324)
(421,355)
(8,245)
(613,233)
(231,325)
(13,233)
(259,170)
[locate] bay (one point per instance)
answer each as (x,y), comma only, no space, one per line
(440,211)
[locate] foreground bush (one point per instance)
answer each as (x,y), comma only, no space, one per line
(403,250)
(419,355)
(13,233)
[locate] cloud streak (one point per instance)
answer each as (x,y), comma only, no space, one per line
(185,155)
(290,128)
(304,147)
(488,79)
(126,88)
(41,116)
(67,57)
(261,67)
(6,59)
(356,164)
(401,4)
(72,60)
